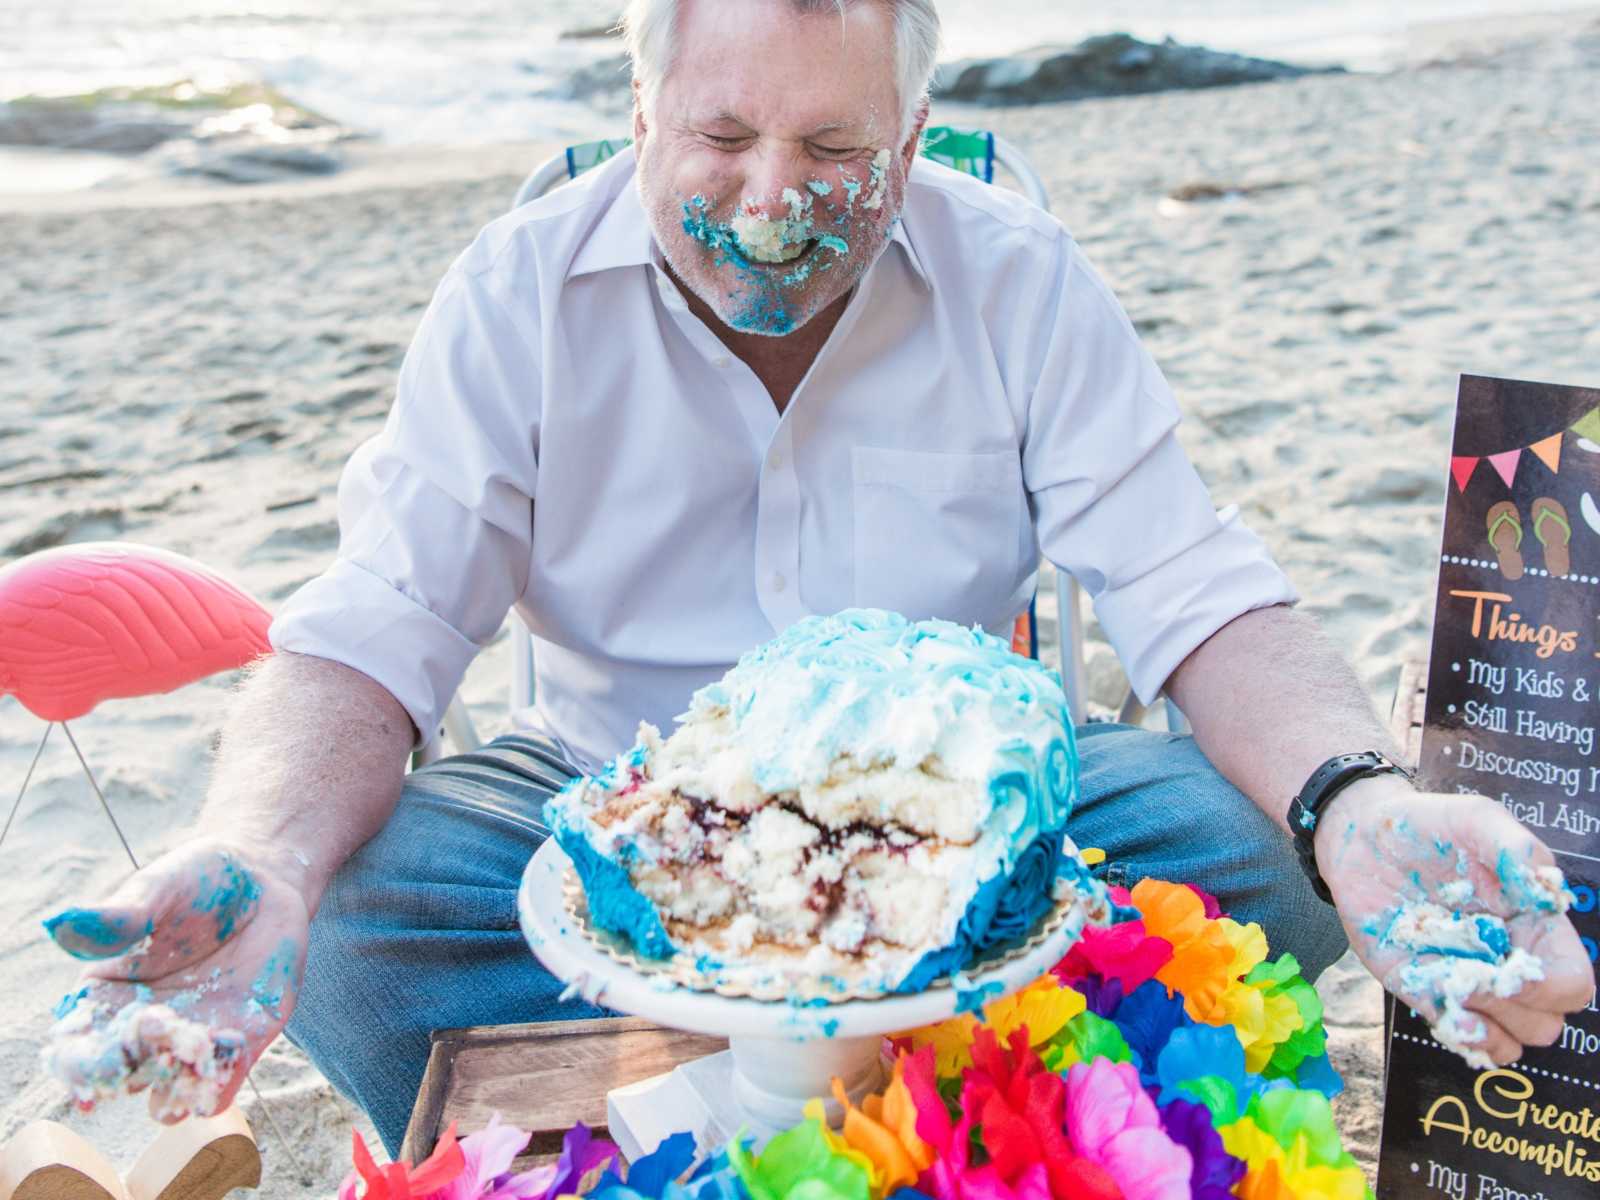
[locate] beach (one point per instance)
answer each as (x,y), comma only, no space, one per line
(1312,262)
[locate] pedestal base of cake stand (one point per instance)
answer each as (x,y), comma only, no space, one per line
(756,1087)
(780,1055)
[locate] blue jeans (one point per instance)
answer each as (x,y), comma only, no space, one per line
(418,931)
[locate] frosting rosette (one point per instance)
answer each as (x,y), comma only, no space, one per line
(1025,898)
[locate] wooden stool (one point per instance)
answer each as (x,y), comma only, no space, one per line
(545,1077)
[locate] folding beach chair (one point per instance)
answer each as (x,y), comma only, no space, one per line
(977,153)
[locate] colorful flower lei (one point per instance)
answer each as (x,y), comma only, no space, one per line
(1164,1058)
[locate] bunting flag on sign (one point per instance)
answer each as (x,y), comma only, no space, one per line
(1549,452)
(1505,464)
(1589,426)
(1546,450)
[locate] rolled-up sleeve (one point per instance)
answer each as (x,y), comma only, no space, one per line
(435,512)
(1115,500)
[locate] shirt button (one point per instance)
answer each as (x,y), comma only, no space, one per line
(775,460)
(722,360)
(779,583)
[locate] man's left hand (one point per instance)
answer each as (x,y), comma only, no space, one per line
(1385,849)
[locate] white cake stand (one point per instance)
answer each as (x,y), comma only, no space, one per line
(780,1055)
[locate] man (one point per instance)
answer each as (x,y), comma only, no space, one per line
(768,364)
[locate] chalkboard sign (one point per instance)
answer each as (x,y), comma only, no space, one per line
(1513,706)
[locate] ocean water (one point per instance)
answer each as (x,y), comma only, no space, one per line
(472,71)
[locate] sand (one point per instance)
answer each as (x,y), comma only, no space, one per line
(189,367)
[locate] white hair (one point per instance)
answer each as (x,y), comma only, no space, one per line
(649,27)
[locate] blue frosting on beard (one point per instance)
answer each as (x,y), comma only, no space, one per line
(1002,913)
(615,905)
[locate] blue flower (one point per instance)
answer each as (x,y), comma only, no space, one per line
(1317,1073)
(1201,1050)
(1147,1019)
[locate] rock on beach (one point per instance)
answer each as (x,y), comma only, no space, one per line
(1113,64)
(247,133)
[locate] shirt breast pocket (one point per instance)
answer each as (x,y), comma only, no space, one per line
(938,535)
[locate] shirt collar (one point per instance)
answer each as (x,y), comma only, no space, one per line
(622,237)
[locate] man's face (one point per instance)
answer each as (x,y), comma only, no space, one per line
(771,167)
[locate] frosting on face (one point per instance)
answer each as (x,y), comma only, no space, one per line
(874,798)
(774,240)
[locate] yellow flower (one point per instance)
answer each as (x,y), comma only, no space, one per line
(1247,1140)
(1329,1183)
(1280,1021)
(951,1041)
(1249,945)
(1243,1008)
(1044,1006)
(1278,1174)
(1262,1020)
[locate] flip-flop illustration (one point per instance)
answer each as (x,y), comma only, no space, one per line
(1554,531)
(1505,535)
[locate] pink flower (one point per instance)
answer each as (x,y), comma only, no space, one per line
(948,1140)
(1126,952)
(1213,909)
(478,1167)
(1114,1123)
(1019,1106)
(396,1181)
(489,1154)
(986,1183)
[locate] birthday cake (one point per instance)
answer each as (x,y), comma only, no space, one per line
(864,805)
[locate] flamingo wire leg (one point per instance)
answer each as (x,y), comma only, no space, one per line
(288,1146)
(67,729)
(26,779)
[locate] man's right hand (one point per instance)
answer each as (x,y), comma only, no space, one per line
(216,931)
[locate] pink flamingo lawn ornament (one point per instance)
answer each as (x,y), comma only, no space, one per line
(107,620)
(110,620)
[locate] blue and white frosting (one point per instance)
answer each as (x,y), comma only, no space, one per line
(864,797)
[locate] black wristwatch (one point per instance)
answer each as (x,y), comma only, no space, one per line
(1326,782)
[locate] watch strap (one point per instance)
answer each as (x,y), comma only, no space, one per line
(1326,782)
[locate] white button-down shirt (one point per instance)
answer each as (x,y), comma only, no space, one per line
(570,439)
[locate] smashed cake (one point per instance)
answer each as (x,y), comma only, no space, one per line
(864,805)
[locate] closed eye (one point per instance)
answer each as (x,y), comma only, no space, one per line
(725,143)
